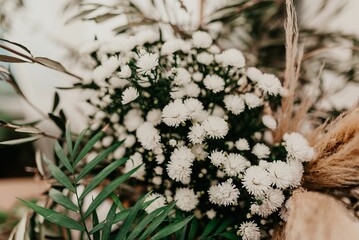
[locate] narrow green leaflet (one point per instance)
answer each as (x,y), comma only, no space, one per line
(61,199)
(96,235)
(229,235)
(63,158)
(88,146)
(107,191)
(118,217)
(153,226)
(88,167)
(210,227)
(117,201)
(60,176)
(101,176)
(174,227)
(193,229)
(54,217)
(78,142)
(223,226)
(106,231)
(69,140)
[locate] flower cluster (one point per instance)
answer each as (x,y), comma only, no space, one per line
(200,123)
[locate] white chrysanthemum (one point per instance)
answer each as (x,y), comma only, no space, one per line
(105,70)
(125,72)
(254,74)
(196,134)
(235,164)
(234,104)
(134,161)
(269,122)
(256,180)
(270,84)
(297,173)
(182,76)
(231,57)
(146,63)
(194,106)
(179,168)
(133,119)
(129,141)
(148,136)
(217,158)
(205,58)
(197,76)
(262,210)
(252,100)
(211,214)
(154,116)
(218,111)
(199,152)
(116,82)
(186,199)
(177,92)
(175,113)
(242,144)
(261,150)
(215,127)
(224,193)
(281,174)
(298,147)
(172,46)
(214,83)
(192,90)
(201,39)
(274,199)
(158,203)
(249,231)
(129,95)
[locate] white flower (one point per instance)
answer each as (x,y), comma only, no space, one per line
(261,150)
(249,231)
(146,36)
(158,203)
(179,168)
(252,100)
(298,147)
(160,158)
(154,116)
(175,113)
(129,95)
(146,63)
(205,58)
(186,199)
(217,158)
(235,164)
(262,210)
(234,104)
(192,90)
(199,152)
(125,72)
(269,122)
(105,70)
(280,174)
(218,111)
(116,82)
(215,127)
(224,193)
(122,43)
(130,141)
(214,83)
(133,119)
(172,46)
(254,74)
(242,144)
(274,199)
(197,76)
(135,161)
(256,180)
(270,84)
(148,136)
(211,214)
(231,57)
(196,134)
(201,39)
(194,107)
(182,76)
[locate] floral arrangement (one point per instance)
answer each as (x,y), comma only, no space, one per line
(200,122)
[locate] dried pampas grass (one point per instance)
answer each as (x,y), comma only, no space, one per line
(336,164)
(318,216)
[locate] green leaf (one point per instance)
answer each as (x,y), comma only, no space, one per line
(61,199)
(229,235)
(63,158)
(101,176)
(96,235)
(126,226)
(88,167)
(69,140)
(78,142)
(118,217)
(193,229)
(106,231)
(153,226)
(144,222)
(56,101)
(171,228)
(88,146)
(210,227)
(117,202)
(223,226)
(60,176)
(54,217)
(107,191)
(20,141)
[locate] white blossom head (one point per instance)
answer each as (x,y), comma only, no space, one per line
(261,150)
(129,94)
(252,100)
(146,63)
(215,127)
(175,113)
(135,161)
(148,136)
(234,104)
(224,194)
(249,231)
(159,202)
(270,84)
(186,199)
(269,122)
(231,57)
(214,83)
(218,158)
(256,180)
(235,164)
(298,147)
(201,39)
(242,144)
